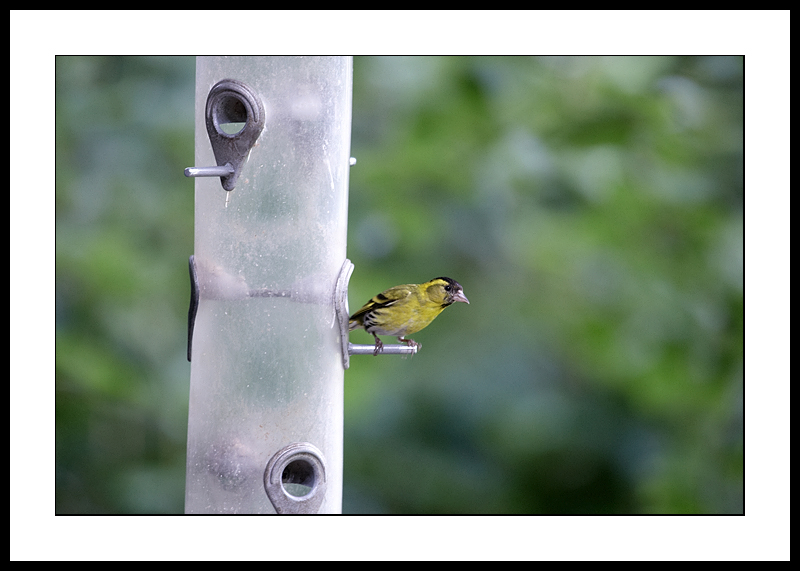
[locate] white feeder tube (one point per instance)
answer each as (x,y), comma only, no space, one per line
(267,367)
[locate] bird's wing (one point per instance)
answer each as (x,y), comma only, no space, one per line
(392,295)
(385,299)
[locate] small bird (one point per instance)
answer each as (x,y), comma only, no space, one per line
(406,309)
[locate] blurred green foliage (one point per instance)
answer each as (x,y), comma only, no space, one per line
(592,208)
(124,232)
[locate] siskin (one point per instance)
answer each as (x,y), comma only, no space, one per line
(406,309)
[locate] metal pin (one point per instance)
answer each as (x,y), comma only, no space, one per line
(354,349)
(224,170)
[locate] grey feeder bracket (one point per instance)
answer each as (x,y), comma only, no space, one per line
(295,479)
(230,102)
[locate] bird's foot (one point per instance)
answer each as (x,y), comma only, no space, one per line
(410,342)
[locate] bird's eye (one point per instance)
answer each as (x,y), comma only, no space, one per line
(447,288)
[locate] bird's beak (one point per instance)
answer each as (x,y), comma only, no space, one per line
(460,297)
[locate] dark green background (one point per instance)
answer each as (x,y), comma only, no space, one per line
(591,207)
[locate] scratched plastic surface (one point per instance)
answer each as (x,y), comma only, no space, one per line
(266,361)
